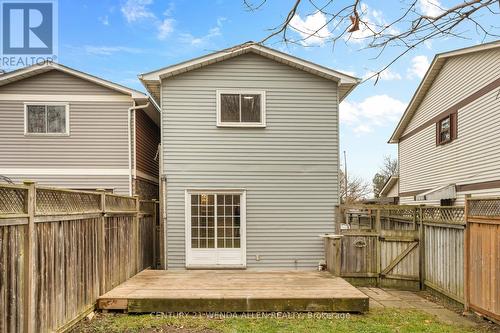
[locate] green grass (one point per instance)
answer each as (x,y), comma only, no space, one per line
(383,320)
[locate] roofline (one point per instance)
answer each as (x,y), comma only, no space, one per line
(388,182)
(154,77)
(105,83)
(398,131)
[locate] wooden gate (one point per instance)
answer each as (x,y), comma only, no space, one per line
(482,257)
(392,234)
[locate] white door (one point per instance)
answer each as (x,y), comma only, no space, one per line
(215,229)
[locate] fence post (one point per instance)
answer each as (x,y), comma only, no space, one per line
(421,255)
(137,236)
(466,254)
(102,244)
(378,227)
(155,231)
(29,260)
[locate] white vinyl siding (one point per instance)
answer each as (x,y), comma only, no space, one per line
(289,169)
(473,157)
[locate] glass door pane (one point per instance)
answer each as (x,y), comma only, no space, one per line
(228,221)
(202,221)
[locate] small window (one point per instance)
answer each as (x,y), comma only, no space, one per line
(446,129)
(51,119)
(241,108)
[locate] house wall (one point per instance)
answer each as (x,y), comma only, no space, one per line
(471,158)
(94,155)
(289,168)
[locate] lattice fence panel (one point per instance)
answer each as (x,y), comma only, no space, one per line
(400,213)
(443,214)
(484,207)
(118,203)
(12,200)
(51,201)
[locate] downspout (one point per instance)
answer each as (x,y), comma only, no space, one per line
(129,116)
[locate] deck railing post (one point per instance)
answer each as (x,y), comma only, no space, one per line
(29,259)
(101,239)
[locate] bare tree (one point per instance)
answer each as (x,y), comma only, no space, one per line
(357,188)
(389,168)
(407,30)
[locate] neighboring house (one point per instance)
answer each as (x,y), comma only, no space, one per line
(390,191)
(64,128)
(449,138)
(250,150)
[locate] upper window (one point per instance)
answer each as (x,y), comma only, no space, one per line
(446,129)
(51,119)
(241,108)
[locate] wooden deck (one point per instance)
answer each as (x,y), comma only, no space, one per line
(234,291)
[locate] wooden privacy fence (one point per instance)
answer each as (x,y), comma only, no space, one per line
(482,261)
(61,249)
(403,246)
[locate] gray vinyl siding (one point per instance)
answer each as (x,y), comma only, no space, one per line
(289,168)
(474,156)
(55,82)
(98,135)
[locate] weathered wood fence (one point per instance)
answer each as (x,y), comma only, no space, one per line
(404,246)
(452,250)
(61,249)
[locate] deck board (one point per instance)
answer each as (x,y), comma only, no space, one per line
(235,291)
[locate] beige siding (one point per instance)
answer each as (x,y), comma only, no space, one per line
(55,82)
(473,157)
(98,136)
(460,77)
(289,168)
(393,192)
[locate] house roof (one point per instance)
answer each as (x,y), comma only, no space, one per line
(152,80)
(389,184)
(426,83)
(36,69)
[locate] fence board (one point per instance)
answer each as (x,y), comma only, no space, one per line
(79,248)
(483,257)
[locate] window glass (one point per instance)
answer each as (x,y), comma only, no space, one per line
(230,108)
(36,119)
(46,119)
(250,108)
(56,119)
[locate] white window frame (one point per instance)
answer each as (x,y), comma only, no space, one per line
(66,105)
(262,94)
(243,227)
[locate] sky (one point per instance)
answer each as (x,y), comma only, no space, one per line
(119,39)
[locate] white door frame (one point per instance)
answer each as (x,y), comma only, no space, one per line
(212,252)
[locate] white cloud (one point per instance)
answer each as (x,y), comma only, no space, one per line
(109,50)
(419,66)
(135,10)
(373,111)
(313,29)
(104,20)
(165,28)
(203,40)
(386,75)
(430,7)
